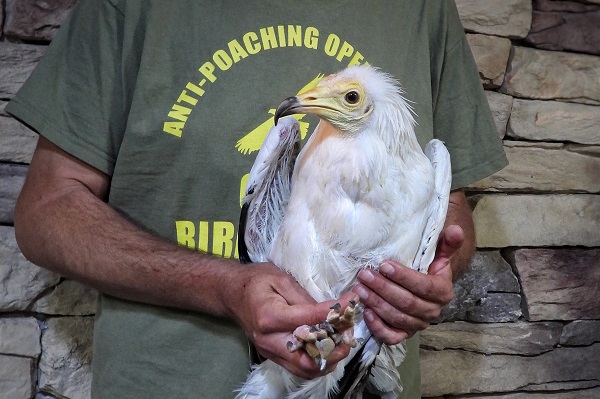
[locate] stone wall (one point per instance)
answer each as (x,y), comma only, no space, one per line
(525,322)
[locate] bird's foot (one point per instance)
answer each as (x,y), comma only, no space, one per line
(321,339)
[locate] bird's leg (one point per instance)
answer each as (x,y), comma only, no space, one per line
(321,339)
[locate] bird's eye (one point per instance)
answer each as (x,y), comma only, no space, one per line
(352,97)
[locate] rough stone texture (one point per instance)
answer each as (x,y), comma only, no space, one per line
(1,18)
(35,19)
(497,307)
(488,275)
(502,338)
(565,25)
(68,298)
(547,167)
(16,63)
(16,141)
(16,379)
(544,75)
(554,121)
(12,178)
(508,18)
(451,371)
(20,336)
(537,220)
(501,106)
(581,332)
(491,56)
(65,365)
(559,284)
(593,393)
(20,280)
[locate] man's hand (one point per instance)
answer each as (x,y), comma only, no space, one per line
(400,301)
(269,305)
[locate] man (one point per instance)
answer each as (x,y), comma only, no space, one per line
(150,114)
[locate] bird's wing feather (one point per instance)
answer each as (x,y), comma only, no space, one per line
(439,157)
(268,191)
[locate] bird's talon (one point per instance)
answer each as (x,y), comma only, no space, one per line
(321,363)
(312,350)
(334,314)
(326,325)
(325,346)
(322,334)
(294,344)
(306,333)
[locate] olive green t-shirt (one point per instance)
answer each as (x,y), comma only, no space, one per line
(172,100)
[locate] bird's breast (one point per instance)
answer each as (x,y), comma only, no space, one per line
(352,205)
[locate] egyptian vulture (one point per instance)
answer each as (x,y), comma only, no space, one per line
(360,192)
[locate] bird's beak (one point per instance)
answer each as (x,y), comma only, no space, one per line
(287,107)
(316,101)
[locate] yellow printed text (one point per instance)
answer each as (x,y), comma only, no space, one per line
(215,237)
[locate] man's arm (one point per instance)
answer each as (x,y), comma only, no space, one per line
(400,301)
(63,223)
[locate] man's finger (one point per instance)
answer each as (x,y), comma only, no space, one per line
(290,317)
(425,286)
(453,237)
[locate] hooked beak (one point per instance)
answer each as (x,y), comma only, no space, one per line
(287,107)
(318,100)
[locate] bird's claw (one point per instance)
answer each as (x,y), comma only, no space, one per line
(321,339)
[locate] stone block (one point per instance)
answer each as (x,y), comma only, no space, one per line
(590,393)
(501,106)
(548,167)
(491,56)
(461,372)
(554,121)
(487,292)
(17,61)
(497,307)
(16,377)
(69,298)
(565,25)
(65,364)
(559,284)
(507,18)
(20,336)
(21,282)
(12,178)
(551,75)
(581,332)
(17,142)
(35,19)
(1,18)
(536,220)
(500,338)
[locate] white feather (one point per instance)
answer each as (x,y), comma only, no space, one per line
(358,197)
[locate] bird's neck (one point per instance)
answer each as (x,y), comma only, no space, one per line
(394,124)
(323,131)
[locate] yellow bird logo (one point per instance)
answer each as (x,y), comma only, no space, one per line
(252,141)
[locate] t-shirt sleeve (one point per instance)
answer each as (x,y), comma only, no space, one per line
(75,97)
(461,116)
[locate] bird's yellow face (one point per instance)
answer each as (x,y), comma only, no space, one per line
(343,103)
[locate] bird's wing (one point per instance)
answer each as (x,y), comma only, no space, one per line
(268,191)
(357,371)
(439,157)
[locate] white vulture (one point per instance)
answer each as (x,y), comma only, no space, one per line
(360,192)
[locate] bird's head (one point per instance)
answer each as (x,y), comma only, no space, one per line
(351,100)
